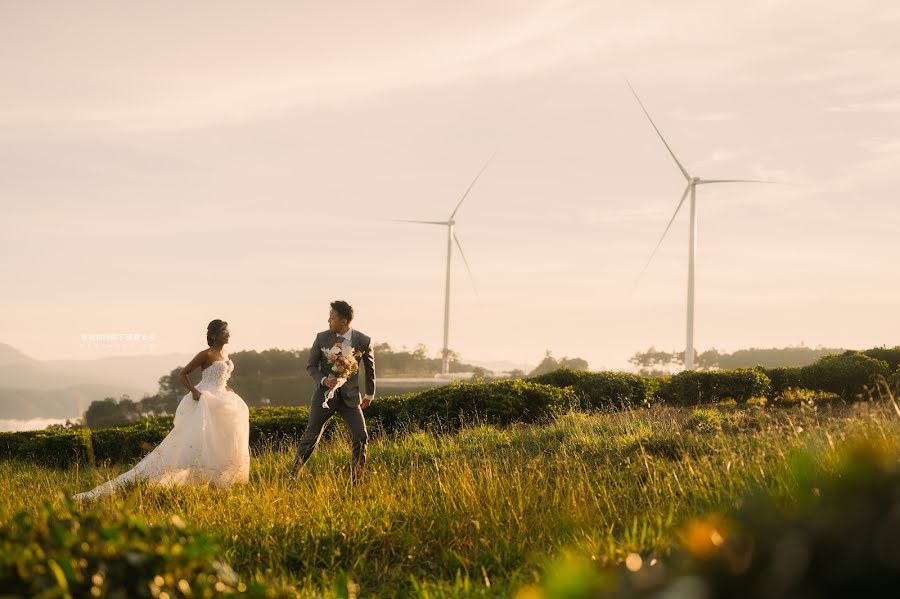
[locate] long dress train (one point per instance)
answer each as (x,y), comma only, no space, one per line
(209,442)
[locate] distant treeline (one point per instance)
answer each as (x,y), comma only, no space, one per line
(654,362)
(277,377)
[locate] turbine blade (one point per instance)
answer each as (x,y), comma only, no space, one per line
(702,181)
(471,185)
(466,262)
(683,170)
(417,222)
(668,226)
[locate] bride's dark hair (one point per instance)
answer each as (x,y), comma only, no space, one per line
(213,329)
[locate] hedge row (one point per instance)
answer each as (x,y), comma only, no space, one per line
(55,447)
(847,374)
(693,387)
(782,379)
(888,355)
(447,408)
(500,403)
(603,390)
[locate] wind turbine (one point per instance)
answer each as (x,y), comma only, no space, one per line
(450,223)
(692,183)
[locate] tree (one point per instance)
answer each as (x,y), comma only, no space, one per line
(707,360)
(110,412)
(549,364)
(573,363)
(654,357)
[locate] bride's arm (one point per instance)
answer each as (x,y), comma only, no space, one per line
(197,362)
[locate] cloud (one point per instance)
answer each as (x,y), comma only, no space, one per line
(881,145)
(715,157)
(161,73)
(709,116)
(892,105)
(624,215)
(761,171)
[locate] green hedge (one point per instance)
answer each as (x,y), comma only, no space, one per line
(894,383)
(500,402)
(55,447)
(602,390)
(451,406)
(62,552)
(847,374)
(697,387)
(278,425)
(890,355)
(448,407)
(782,379)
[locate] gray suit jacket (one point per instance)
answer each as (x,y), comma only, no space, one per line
(317,367)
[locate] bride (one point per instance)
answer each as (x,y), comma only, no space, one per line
(209,442)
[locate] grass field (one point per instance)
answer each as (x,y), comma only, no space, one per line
(481,512)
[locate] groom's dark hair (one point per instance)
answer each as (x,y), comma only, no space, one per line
(343,309)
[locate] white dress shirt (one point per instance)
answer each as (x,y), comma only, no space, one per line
(346,347)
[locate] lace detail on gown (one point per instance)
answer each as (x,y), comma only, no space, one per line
(209,441)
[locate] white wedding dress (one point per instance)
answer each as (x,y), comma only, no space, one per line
(209,442)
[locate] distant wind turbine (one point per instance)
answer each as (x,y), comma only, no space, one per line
(450,223)
(692,183)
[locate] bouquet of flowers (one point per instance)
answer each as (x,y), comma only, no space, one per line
(342,367)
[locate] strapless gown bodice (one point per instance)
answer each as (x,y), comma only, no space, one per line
(215,378)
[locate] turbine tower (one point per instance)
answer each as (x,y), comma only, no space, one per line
(450,223)
(692,183)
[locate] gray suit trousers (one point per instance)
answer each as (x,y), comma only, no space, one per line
(318,419)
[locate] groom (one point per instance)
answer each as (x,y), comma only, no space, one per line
(346,401)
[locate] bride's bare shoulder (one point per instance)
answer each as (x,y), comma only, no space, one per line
(202,357)
(200,360)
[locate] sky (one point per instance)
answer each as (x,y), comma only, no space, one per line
(164,164)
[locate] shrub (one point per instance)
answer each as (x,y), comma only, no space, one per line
(390,414)
(278,425)
(847,374)
(51,447)
(894,383)
(782,379)
(693,387)
(59,552)
(127,443)
(498,403)
(597,390)
(890,355)
(63,447)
